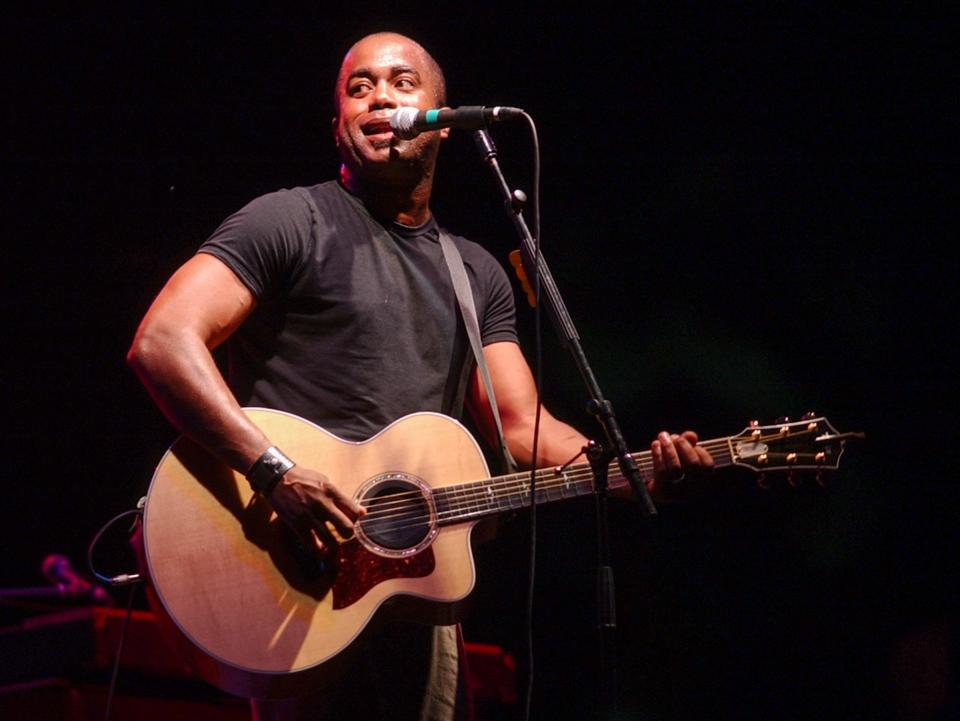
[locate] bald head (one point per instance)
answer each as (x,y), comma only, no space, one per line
(385,41)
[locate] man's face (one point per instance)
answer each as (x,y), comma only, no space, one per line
(379,75)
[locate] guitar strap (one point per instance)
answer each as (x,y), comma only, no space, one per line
(468,311)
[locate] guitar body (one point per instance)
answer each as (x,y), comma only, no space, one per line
(262,617)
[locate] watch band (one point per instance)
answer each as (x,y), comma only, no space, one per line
(267,471)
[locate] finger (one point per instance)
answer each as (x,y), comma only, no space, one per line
(325,505)
(706,460)
(686,451)
(671,459)
(325,537)
(346,506)
(691,436)
(326,510)
(656,455)
(303,531)
(350,507)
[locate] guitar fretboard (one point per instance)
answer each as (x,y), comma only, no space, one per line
(476,499)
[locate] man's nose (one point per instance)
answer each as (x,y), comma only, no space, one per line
(383,95)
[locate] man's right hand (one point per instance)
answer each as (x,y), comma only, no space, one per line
(307,501)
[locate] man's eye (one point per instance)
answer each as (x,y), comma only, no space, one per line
(405,84)
(359,88)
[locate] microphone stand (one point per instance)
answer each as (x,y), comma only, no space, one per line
(599,456)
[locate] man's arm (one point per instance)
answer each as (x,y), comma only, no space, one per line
(202,304)
(516,400)
(672,454)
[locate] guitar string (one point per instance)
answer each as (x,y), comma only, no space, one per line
(478,502)
(474,501)
(462,493)
(462,498)
(719,449)
(480,489)
(469,498)
(393,522)
(404,509)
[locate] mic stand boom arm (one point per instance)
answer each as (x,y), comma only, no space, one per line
(533,262)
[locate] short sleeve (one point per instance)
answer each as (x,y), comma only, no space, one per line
(267,242)
(499,321)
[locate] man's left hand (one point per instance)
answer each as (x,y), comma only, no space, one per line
(678,463)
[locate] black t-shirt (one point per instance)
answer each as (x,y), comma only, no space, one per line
(356,322)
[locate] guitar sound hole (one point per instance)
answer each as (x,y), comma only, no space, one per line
(398,515)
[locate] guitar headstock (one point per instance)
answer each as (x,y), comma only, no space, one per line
(810,445)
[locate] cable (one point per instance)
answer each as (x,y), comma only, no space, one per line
(538,375)
(122,579)
(116,660)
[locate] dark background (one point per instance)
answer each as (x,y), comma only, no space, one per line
(749,210)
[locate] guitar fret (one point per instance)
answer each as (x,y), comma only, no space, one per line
(515,500)
(468,501)
(525,494)
(482,496)
(441,499)
(459,493)
(552,492)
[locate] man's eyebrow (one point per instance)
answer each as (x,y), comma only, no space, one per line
(395,70)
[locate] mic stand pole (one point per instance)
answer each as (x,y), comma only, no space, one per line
(598,406)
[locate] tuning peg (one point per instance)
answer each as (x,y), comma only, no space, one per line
(793,479)
(808,416)
(762,482)
(781,420)
(820,458)
(753,424)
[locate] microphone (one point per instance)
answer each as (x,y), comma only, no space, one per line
(58,569)
(407,122)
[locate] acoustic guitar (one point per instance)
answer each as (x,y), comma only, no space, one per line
(264,616)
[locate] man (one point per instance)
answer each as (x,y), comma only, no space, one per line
(339,308)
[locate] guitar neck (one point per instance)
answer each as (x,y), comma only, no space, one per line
(493,496)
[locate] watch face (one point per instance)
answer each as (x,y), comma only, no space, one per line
(268,469)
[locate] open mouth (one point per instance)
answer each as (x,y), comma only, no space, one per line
(377,126)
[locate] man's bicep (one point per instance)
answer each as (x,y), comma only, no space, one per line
(204,297)
(512,384)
